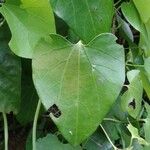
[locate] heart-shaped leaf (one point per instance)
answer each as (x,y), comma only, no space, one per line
(87,18)
(78,83)
(28,23)
(10,75)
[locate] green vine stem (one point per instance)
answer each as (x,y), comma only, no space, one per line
(134,65)
(35,125)
(5,130)
(115,148)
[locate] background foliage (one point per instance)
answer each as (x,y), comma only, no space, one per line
(75,74)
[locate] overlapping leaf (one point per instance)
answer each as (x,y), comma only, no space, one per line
(52,142)
(147,127)
(135,135)
(28,23)
(97,141)
(87,18)
(145,76)
(147,67)
(132,98)
(143,9)
(137,20)
(83,81)
(10,75)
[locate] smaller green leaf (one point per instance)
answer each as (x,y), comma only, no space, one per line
(147,127)
(132,98)
(28,23)
(145,82)
(147,67)
(145,76)
(132,15)
(52,142)
(116,111)
(135,134)
(136,145)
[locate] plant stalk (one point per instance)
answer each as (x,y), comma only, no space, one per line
(5,130)
(35,125)
(115,148)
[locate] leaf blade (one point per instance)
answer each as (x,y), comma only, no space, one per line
(76,77)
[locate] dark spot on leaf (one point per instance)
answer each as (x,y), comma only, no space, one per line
(54,110)
(125,88)
(132,104)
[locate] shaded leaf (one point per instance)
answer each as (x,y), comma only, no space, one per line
(10,75)
(97,141)
(125,29)
(145,76)
(83,81)
(85,17)
(116,111)
(136,145)
(29,97)
(52,142)
(147,67)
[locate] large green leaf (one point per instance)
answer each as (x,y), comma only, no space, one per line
(87,18)
(28,23)
(52,142)
(10,75)
(83,81)
(132,98)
